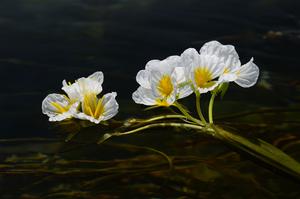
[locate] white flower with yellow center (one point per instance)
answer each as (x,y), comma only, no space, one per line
(244,75)
(59,107)
(202,71)
(86,90)
(161,83)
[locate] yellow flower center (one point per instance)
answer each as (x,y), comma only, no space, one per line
(202,77)
(93,106)
(165,86)
(162,102)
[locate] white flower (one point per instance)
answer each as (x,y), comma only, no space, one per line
(160,82)
(83,86)
(97,110)
(244,75)
(202,70)
(58,107)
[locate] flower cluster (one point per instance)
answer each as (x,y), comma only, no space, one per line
(163,82)
(81,101)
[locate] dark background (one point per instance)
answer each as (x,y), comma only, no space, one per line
(43,42)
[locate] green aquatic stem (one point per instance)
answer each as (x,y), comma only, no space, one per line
(211,107)
(131,121)
(185,112)
(198,106)
(149,126)
(257,148)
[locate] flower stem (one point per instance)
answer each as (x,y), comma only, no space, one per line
(210,107)
(185,112)
(163,124)
(198,106)
(131,121)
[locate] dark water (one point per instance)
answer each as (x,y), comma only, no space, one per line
(44,42)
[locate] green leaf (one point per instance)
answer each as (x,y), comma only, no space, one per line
(261,150)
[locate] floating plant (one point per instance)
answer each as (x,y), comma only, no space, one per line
(162,84)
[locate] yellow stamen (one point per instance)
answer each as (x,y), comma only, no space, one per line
(162,102)
(226,70)
(202,77)
(59,107)
(99,108)
(165,86)
(92,106)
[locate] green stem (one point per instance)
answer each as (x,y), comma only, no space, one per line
(198,106)
(132,121)
(184,112)
(210,107)
(164,124)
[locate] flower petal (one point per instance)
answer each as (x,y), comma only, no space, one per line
(88,86)
(97,76)
(247,75)
(66,115)
(144,96)
(110,104)
(183,86)
(184,91)
(58,107)
(190,57)
(143,78)
(227,53)
(165,66)
(72,90)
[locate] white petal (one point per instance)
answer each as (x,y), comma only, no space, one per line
(97,76)
(228,77)
(66,115)
(55,114)
(144,96)
(71,90)
(143,78)
(184,91)
(87,86)
(225,52)
(179,75)
(247,74)
(165,66)
(183,87)
(49,109)
(213,64)
(83,116)
(111,106)
(189,58)
(207,89)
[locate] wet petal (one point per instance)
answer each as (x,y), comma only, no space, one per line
(111,106)
(247,75)
(58,107)
(97,76)
(143,78)
(227,53)
(72,90)
(144,96)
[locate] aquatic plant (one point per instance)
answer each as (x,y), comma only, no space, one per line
(83,92)
(162,84)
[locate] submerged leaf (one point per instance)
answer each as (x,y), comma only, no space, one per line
(262,151)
